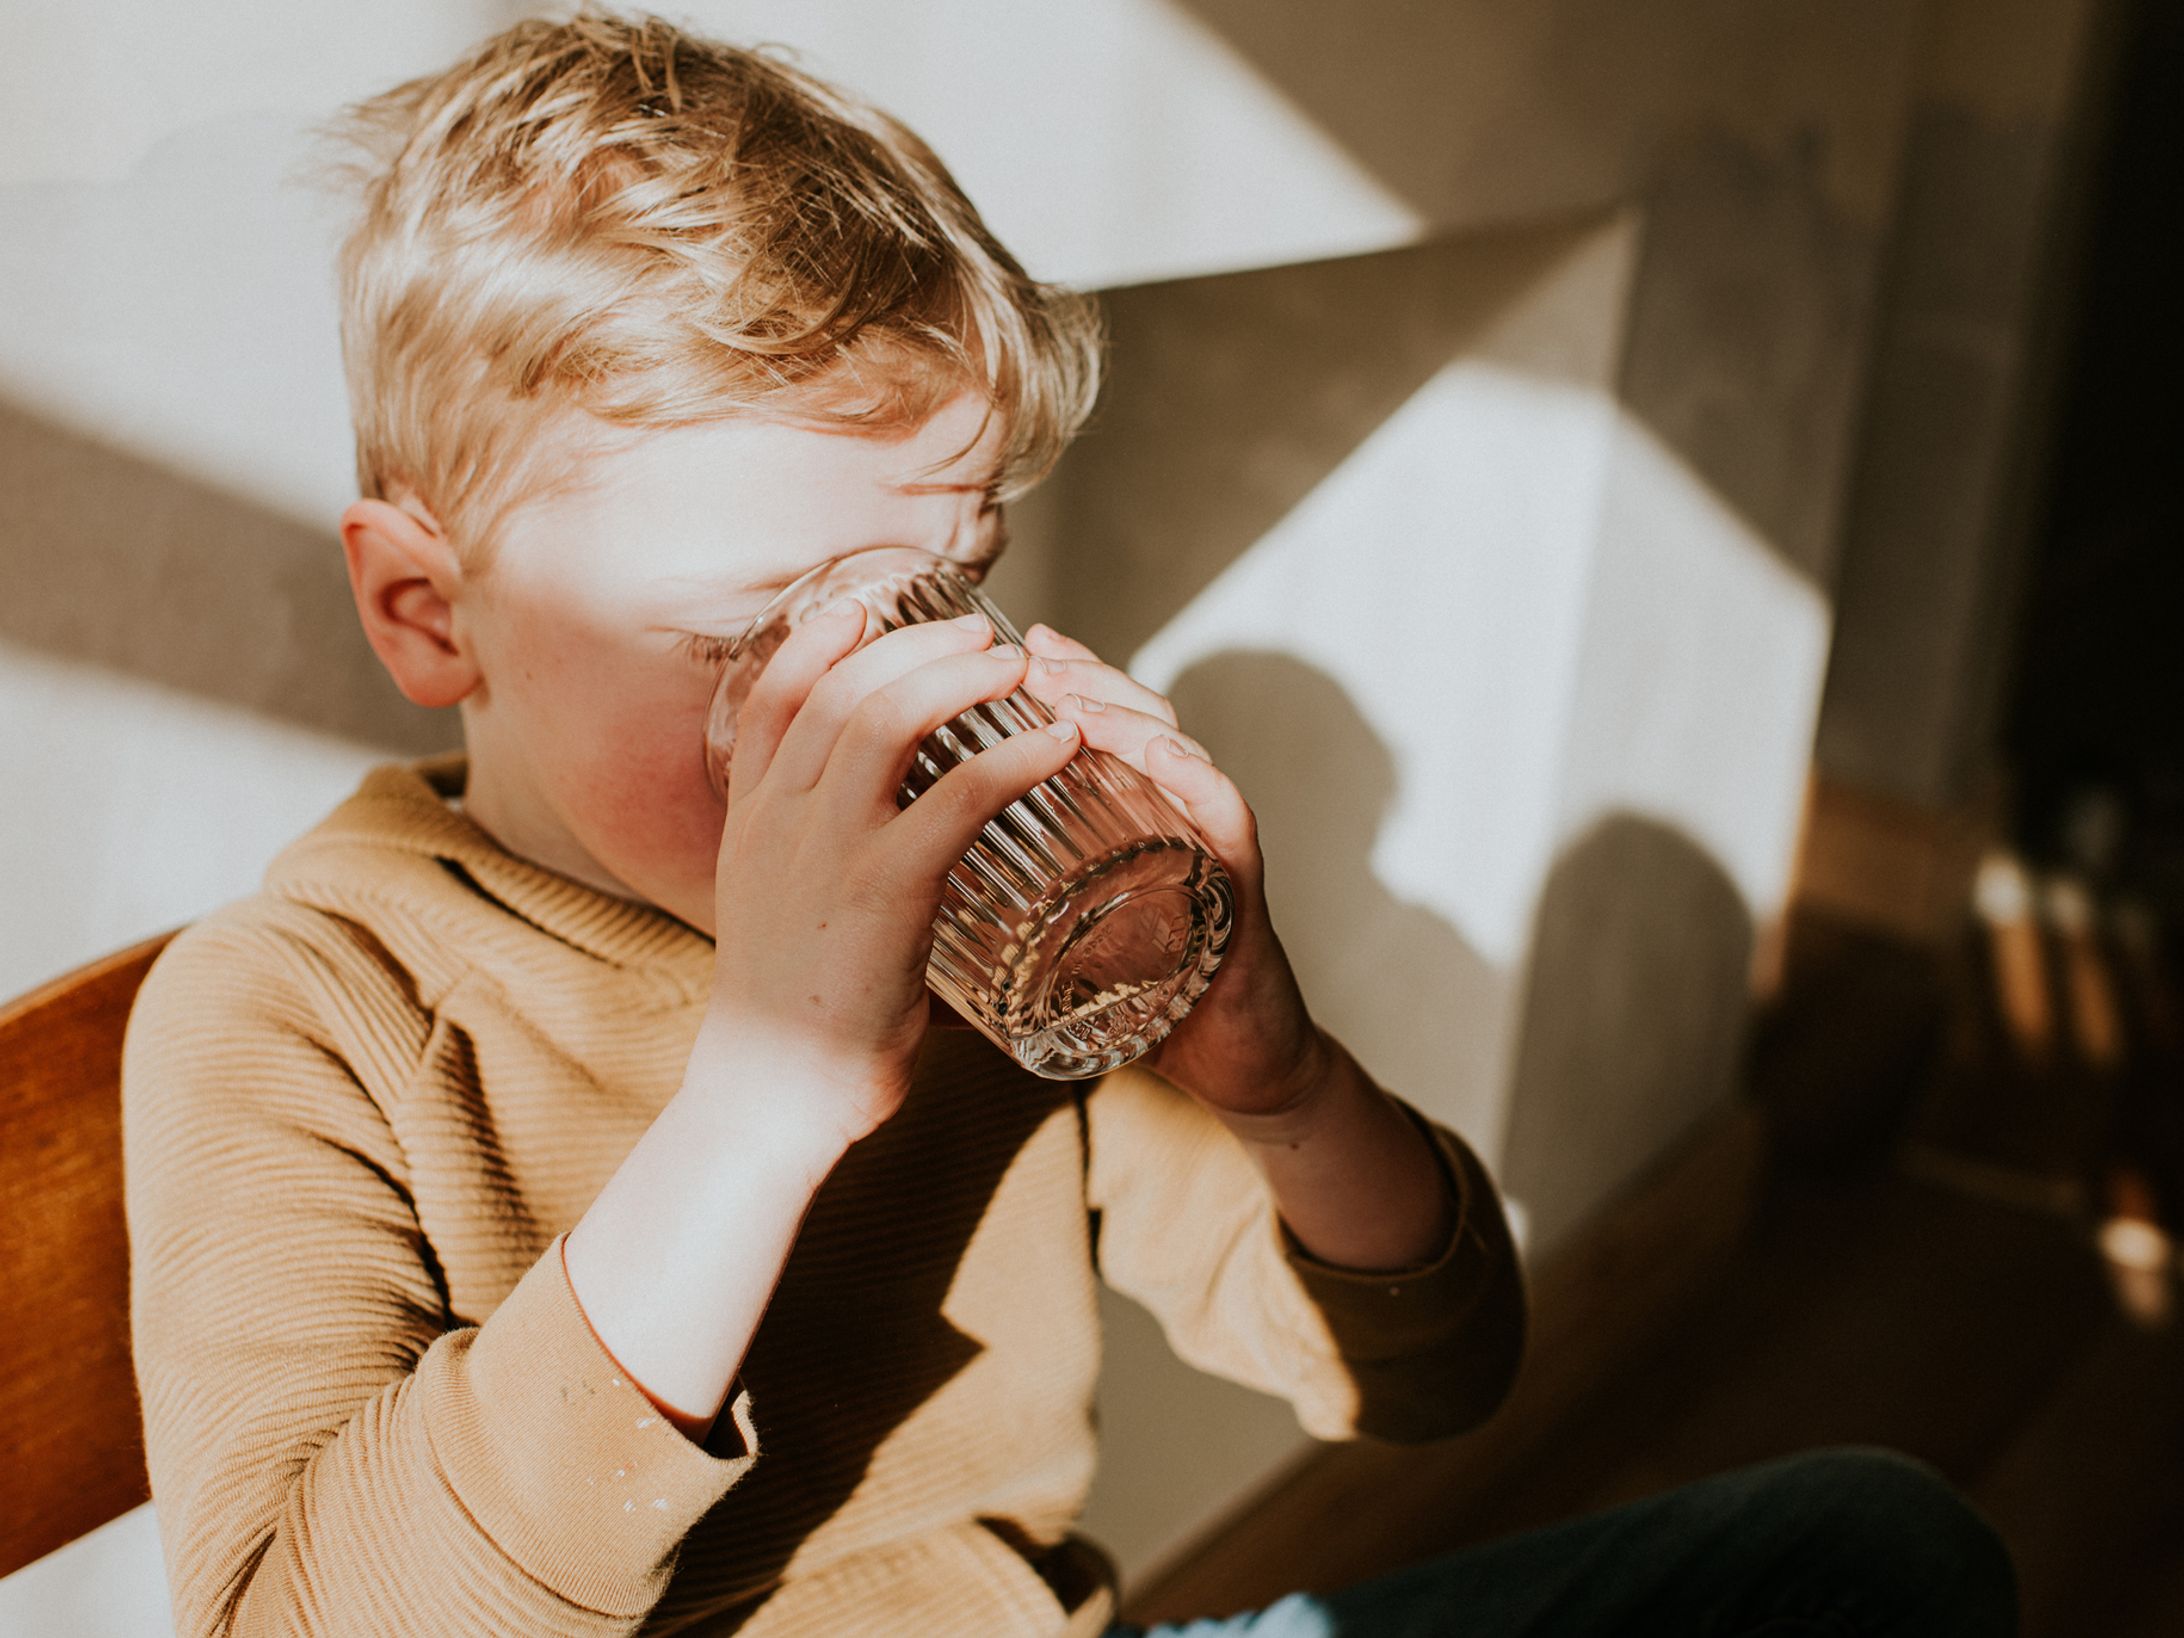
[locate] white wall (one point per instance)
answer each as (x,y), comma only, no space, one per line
(1491,567)
(1388,673)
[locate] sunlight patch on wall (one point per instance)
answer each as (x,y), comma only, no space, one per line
(1703,655)
(185,315)
(164,806)
(1544,615)
(91,90)
(1438,575)
(1111,142)
(167,288)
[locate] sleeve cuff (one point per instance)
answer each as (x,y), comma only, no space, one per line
(1377,1314)
(561,1458)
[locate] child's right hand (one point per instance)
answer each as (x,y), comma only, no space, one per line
(826,891)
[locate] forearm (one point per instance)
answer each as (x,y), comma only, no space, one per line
(1351,1174)
(677,1257)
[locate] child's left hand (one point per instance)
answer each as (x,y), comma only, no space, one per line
(1248,1048)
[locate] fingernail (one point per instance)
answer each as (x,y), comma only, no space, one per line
(969,622)
(841,607)
(1005,651)
(1062,730)
(1180,749)
(1047,667)
(1086,703)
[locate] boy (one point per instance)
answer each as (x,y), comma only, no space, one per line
(551,1211)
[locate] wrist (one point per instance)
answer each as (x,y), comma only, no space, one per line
(766,1103)
(1356,1178)
(1326,1079)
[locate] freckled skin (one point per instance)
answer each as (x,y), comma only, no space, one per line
(585,727)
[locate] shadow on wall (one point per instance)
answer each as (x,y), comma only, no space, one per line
(1414,996)
(1757,142)
(1231,398)
(1633,1019)
(1632,1026)
(1469,107)
(1760,142)
(115,561)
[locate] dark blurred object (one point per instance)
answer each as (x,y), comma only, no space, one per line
(2094,736)
(2095,726)
(1844,1049)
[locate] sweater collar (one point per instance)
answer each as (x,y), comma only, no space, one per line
(403,806)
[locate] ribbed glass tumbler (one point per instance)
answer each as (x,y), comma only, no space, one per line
(1090,913)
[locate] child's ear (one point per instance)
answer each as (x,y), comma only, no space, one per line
(405,578)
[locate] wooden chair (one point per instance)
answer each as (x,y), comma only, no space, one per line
(71,1438)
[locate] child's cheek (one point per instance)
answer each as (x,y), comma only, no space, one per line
(631,779)
(652,796)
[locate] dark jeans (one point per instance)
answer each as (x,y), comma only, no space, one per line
(1845,1542)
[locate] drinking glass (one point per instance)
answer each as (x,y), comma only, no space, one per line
(1090,913)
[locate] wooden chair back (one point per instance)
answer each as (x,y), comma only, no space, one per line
(71,1436)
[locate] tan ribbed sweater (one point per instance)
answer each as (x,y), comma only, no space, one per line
(362,1106)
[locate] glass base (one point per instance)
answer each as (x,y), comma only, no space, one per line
(1114,957)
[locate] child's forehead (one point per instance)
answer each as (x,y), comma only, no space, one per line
(959,447)
(714,506)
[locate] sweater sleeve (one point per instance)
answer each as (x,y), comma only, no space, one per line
(326,1453)
(1186,1225)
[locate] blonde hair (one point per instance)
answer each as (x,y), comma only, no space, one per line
(605,223)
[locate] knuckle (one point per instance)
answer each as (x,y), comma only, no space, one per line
(913,706)
(1022,760)
(826,691)
(773,691)
(890,671)
(799,662)
(869,897)
(998,682)
(966,798)
(960,682)
(867,884)
(875,721)
(967,792)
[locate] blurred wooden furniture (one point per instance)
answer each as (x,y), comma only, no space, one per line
(71,1440)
